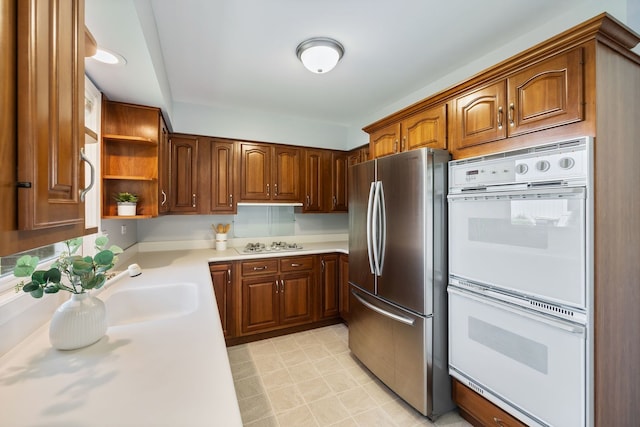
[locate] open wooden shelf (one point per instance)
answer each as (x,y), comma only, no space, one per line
(129,177)
(127,217)
(129,139)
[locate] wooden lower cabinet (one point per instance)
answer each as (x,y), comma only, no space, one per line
(221,278)
(479,411)
(344,287)
(329,291)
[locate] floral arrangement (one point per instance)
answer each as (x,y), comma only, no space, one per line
(81,273)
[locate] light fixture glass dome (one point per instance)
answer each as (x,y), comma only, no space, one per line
(108,57)
(320,55)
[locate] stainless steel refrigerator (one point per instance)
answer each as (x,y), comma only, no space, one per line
(398,275)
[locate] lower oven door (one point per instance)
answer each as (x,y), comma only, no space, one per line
(530,242)
(531,365)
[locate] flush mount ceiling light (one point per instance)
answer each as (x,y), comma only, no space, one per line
(109,57)
(320,54)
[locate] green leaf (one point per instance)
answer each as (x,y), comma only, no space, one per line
(52,289)
(52,275)
(100,280)
(103,257)
(38,276)
(81,266)
(25,266)
(37,293)
(31,286)
(101,242)
(116,249)
(74,244)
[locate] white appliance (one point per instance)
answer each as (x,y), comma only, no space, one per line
(397,275)
(520,280)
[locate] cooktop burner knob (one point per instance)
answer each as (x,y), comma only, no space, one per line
(521,168)
(543,165)
(566,162)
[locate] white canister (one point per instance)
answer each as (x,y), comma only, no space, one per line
(221,241)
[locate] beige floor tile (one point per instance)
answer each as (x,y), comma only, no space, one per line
(375,418)
(294,357)
(285,399)
(276,379)
(357,401)
(262,348)
(255,408)
(451,419)
(305,339)
(340,381)
(238,354)
(270,421)
(404,415)
(361,375)
(298,417)
(303,371)
(248,387)
(328,411)
(336,346)
(314,389)
(328,365)
(285,344)
(380,393)
(316,351)
(347,422)
(268,363)
(243,370)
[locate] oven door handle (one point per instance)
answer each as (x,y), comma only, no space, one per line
(483,296)
(529,193)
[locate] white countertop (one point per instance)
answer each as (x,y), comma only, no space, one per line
(165,372)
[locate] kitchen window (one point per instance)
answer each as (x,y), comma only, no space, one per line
(8,263)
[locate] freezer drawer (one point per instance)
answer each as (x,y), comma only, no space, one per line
(391,342)
(530,364)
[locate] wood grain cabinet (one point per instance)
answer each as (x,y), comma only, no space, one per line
(339,195)
(164,179)
(220,173)
(132,138)
(269,172)
(425,128)
(184,174)
(344,287)
(479,411)
(276,293)
(329,286)
(221,278)
(541,96)
(315,180)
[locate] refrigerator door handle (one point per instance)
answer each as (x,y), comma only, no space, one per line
(396,317)
(376,228)
(382,239)
(370,201)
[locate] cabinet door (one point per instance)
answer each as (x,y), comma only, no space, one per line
(50,113)
(479,411)
(339,186)
(547,94)
(425,129)
(260,303)
(330,298)
(163,168)
(344,287)
(313,180)
(221,167)
(184,167)
(295,298)
(222,288)
(286,179)
(385,141)
(255,172)
(480,116)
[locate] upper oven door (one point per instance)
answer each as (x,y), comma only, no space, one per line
(529,242)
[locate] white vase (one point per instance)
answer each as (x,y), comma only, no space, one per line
(77,323)
(126,209)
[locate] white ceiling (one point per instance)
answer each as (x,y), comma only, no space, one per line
(240,54)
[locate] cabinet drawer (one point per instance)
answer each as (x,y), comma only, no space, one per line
(480,409)
(261,266)
(299,263)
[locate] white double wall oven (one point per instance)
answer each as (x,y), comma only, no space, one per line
(520,280)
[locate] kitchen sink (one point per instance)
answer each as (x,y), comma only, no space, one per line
(151,303)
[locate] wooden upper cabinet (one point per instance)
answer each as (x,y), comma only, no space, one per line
(481,116)
(164,153)
(314,180)
(427,128)
(541,96)
(221,169)
(269,172)
(385,141)
(50,114)
(184,174)
(547,94)
(339,185)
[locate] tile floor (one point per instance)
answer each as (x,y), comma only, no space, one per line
(311,379)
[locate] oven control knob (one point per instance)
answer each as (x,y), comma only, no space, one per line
(521,168)
(566,162)
(543,165)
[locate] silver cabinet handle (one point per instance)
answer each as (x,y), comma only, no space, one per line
(164,198)
(277,285)
(335,201)
(267,189)
(275,187)
(229,276)
(282,286)
(264,267)
(84,192)
(295,264)
(230,200)
(193,200)
(511,111)
(308,201)
(500,114)
(322,263)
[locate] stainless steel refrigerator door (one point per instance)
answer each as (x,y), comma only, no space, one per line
(392,343)
(361,176)
(407,264)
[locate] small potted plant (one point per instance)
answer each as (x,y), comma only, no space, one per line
(127,203)
(81,320)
